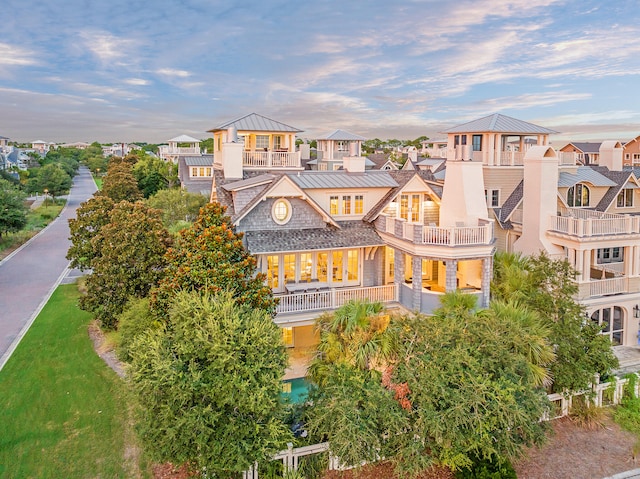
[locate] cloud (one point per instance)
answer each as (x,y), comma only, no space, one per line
(11,55)
(171,72)
(109,48)
(137,81)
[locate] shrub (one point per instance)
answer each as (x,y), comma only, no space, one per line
(492,468)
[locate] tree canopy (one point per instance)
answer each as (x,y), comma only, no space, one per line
(209,385)
(119,184)
(13,212)
(128,260)
(210,256)
(178,206)
(91,216)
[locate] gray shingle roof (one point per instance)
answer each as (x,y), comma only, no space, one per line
(585,146)
(500,124)
(584,174)
(341,135)
(248,182)
(255,122)
(510,204)
(343,179)
(351,234)
(204,160)
(619,178)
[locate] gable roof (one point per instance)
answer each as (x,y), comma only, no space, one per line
(620,180)
(341,135)
(585,146)
(255,122)
(500,124)
(402,177)
(185,139)
(510,204)
(204,160)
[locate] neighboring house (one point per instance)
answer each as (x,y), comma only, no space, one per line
(324,237)
(79,145)
(42,147)
(335,146)
(5,149)
(434,148)
(196,173)
(584,153)
(632,152)
(183,145)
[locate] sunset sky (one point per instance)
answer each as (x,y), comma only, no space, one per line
(115,70)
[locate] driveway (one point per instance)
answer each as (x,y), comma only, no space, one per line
(29,275)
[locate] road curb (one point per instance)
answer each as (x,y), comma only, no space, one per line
(635,473)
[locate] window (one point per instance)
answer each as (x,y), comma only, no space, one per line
(625,198)
(415,208)
(262,142)
(306,264)
(346,205)
(336,266)
(289,268)
(322,267)
(610,255)
(578,195)
(359,206)
(492,197)
(404,207)
(476,141)
(456,140)
(463,139)
(333,205)
(352,265)
(277,142)
(194,172)
(612,323)
(272,272)
(287,337)
(281,211)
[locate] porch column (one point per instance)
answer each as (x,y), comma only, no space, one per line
(416,282)
(578,266)
(586,266)
(398,267)
(634,260)
(571,256)
(487,275)
(491,147)
(628,261)
(451,283)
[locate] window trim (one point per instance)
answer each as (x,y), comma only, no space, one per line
(274,211)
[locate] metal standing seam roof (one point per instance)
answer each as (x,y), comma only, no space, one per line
(584,174)
(185,139)
(341,135)
(343,179)
(204,160)
(500,124)
(255,122)
(249,182)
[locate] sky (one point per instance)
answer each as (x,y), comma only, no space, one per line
(133,70)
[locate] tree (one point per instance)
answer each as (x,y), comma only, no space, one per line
(548,288)
(178,206)
(91,216)
(209,385)
(52,178)
(152,174)
(468,390)
(13,212)
(119,184)
(210,256)
(129,259)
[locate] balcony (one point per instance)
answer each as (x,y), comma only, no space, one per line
(588,223)
(605,287)
(435,235)
(334,298)
(271,159)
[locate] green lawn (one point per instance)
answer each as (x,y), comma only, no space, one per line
(98,181)
(36,220)
(63,412)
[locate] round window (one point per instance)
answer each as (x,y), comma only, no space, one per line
(281,211)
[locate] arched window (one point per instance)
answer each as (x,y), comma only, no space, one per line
(578,195)
(281,211)
(612,321)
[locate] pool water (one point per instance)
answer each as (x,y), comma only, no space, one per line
(295,390)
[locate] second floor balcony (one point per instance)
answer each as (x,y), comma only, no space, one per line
(583,223)
(271,159)
(434,235)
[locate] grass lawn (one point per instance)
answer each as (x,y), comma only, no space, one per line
(98,181)
(36,220)
(63,412)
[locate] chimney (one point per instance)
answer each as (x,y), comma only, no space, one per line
(463,200)
(611,155)
(232,155)
(540,201)
(354,164)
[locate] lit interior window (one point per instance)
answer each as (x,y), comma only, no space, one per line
(281,211)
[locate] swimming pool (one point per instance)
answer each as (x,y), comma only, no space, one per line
(295,390)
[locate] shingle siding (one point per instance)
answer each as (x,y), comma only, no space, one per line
(303,217)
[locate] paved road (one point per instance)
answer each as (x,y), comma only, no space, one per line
(28,276)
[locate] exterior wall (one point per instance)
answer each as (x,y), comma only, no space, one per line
(373,269)
(595,194)
(503,179)
(371,198)
(305,337)
(631,149)
(302,217)
(501,238)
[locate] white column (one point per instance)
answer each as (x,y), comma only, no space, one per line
(491,149)
(579,265)
(586,266)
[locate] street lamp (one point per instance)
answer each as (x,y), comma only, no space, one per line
(46,192)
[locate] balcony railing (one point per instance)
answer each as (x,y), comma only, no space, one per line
(334,298)
(510,158)
(608,286)
(435,235)
(271,159)
(588,223)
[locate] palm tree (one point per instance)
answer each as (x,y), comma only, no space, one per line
(510,276)
(357,334)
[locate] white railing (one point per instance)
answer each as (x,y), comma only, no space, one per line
(510,158)
(436,152)
(599,226)
(601,287)
(435,235)
(567,157)
(271,159)
(183,150)
(334,298)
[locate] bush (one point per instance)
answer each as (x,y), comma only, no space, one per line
(134,320)
(493,468)
(585,414)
